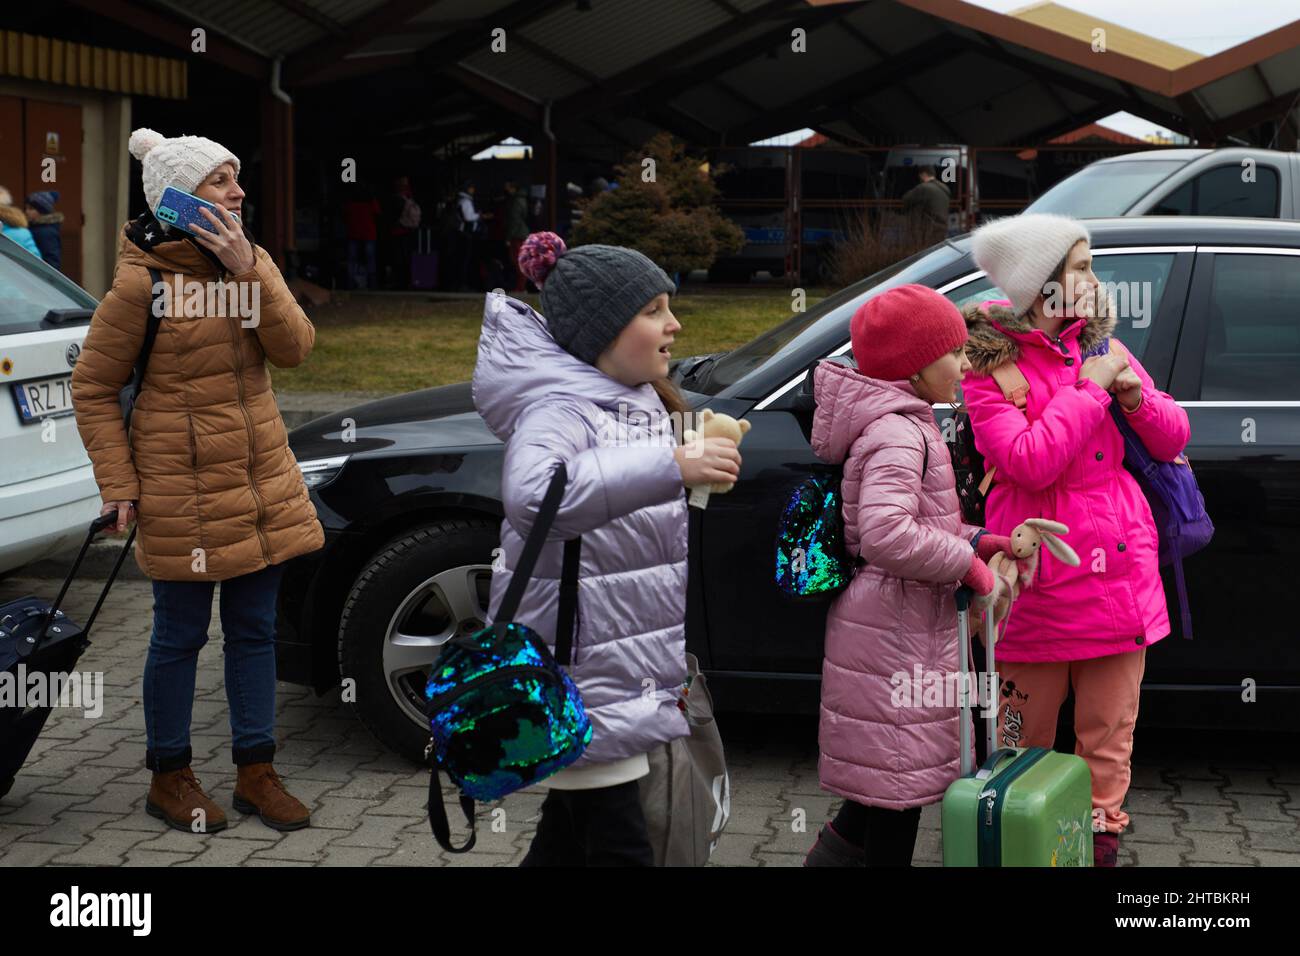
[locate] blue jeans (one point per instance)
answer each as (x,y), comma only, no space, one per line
(182,611)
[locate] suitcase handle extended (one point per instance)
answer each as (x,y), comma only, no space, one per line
(965,722)
(96,526)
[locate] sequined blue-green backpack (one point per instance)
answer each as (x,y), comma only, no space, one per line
(502,711)
(812,561)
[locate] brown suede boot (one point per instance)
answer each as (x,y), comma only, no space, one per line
(259,790)
(176,795)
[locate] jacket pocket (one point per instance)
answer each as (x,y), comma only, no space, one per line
(194,449)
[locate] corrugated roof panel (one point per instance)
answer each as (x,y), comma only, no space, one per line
(526,72)
(1082,26)
(617,34)
(265,28)
(1234,93)
(791,76)
(897,112)
(893,27)
(714,106)
(964,81)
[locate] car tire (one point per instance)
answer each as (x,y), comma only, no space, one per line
(416,593)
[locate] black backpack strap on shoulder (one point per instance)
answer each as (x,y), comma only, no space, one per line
(150,330)
(438,813)
(533,546)
(153,321)
(568,601)
(925,445)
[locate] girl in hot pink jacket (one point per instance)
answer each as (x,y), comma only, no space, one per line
(884,746)
(1062,457)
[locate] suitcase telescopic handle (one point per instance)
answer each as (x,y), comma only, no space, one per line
(965,723)
(96,526)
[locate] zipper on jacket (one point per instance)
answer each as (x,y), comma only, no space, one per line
(252,440)
(194,451)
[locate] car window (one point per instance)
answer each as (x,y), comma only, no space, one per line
(833,312)
(1225,191)
(1135,284)
(1252,351)
(28,290)
(1105,189)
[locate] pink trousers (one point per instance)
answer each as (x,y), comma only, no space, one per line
(1105,711)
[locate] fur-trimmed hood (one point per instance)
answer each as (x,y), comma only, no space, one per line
(49,219)
(998,336)
(13,217)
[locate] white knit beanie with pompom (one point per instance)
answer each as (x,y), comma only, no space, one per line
(183,162)
(1020,252)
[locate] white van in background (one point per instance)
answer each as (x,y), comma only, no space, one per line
(48,495)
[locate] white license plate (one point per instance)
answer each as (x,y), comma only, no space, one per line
(43,397)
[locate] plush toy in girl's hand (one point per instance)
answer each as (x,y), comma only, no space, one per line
(1017,568)
(713,425)
(1027,541)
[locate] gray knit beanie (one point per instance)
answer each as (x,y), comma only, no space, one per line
(589,294)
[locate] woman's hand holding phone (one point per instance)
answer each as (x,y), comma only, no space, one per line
(228,243)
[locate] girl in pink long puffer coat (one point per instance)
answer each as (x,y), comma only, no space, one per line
(885,745)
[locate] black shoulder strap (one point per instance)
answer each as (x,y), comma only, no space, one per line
(533,546)
(925,446)
(568,601)
(154,321)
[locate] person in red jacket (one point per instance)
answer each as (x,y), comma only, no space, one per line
(1061,456)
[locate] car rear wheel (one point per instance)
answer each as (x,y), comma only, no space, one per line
(414,595)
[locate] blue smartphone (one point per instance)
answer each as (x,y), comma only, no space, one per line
(179,208)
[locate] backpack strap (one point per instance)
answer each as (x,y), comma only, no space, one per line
(1012,381)
(153,321)
(925,446)
(568,601)
(1015,389)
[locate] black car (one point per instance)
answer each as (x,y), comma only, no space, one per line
(407,489)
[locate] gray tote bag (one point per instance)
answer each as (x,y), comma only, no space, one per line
(687,794)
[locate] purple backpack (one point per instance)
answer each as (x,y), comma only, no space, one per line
(1176,501)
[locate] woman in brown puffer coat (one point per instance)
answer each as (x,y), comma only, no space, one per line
(206,468)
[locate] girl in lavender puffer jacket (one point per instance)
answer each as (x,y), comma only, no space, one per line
(587,386)
(889,755)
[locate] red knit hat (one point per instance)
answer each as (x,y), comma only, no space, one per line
(899,332)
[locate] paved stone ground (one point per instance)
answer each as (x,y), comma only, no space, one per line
(80,799)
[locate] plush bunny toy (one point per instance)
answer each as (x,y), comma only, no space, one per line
(1027,542)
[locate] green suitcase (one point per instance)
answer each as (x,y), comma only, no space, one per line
(1023,807)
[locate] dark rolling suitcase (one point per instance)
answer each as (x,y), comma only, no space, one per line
(424,262)
(36,637)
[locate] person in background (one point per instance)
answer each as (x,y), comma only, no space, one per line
(360,214)
(46,226)
(516,217)
(13,223)
(926,205)
(471,225)
(401,220)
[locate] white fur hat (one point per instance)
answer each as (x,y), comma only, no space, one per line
(1020,252)
(183,162)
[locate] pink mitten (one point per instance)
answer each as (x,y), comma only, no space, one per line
(979,578)
(990,544)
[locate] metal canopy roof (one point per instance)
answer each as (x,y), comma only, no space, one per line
(722,72)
